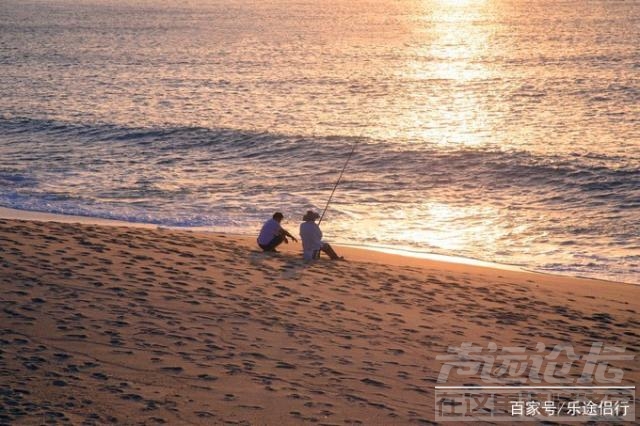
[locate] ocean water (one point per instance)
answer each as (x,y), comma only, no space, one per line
(500,130)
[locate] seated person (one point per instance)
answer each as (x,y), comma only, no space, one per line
(273,234)
(311,236)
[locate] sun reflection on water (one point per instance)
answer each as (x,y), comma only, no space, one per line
(454,228)
(446,57)
(434,226)
(460,2)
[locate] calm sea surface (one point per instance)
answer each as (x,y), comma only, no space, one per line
(502,130)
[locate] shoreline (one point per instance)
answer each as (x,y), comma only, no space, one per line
(28,215)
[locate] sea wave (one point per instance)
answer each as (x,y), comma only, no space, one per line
(376,164)
(559,208)
(377,154)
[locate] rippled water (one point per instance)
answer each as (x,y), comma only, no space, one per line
(501,130)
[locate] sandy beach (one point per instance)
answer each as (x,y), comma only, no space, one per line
(123,325)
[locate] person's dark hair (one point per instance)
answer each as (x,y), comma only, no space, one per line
(278,215)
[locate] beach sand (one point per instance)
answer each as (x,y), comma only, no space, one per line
(112,324)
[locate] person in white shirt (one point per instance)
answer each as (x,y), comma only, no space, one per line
(311,236)
(273,234)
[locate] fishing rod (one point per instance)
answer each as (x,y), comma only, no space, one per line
(353,149)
